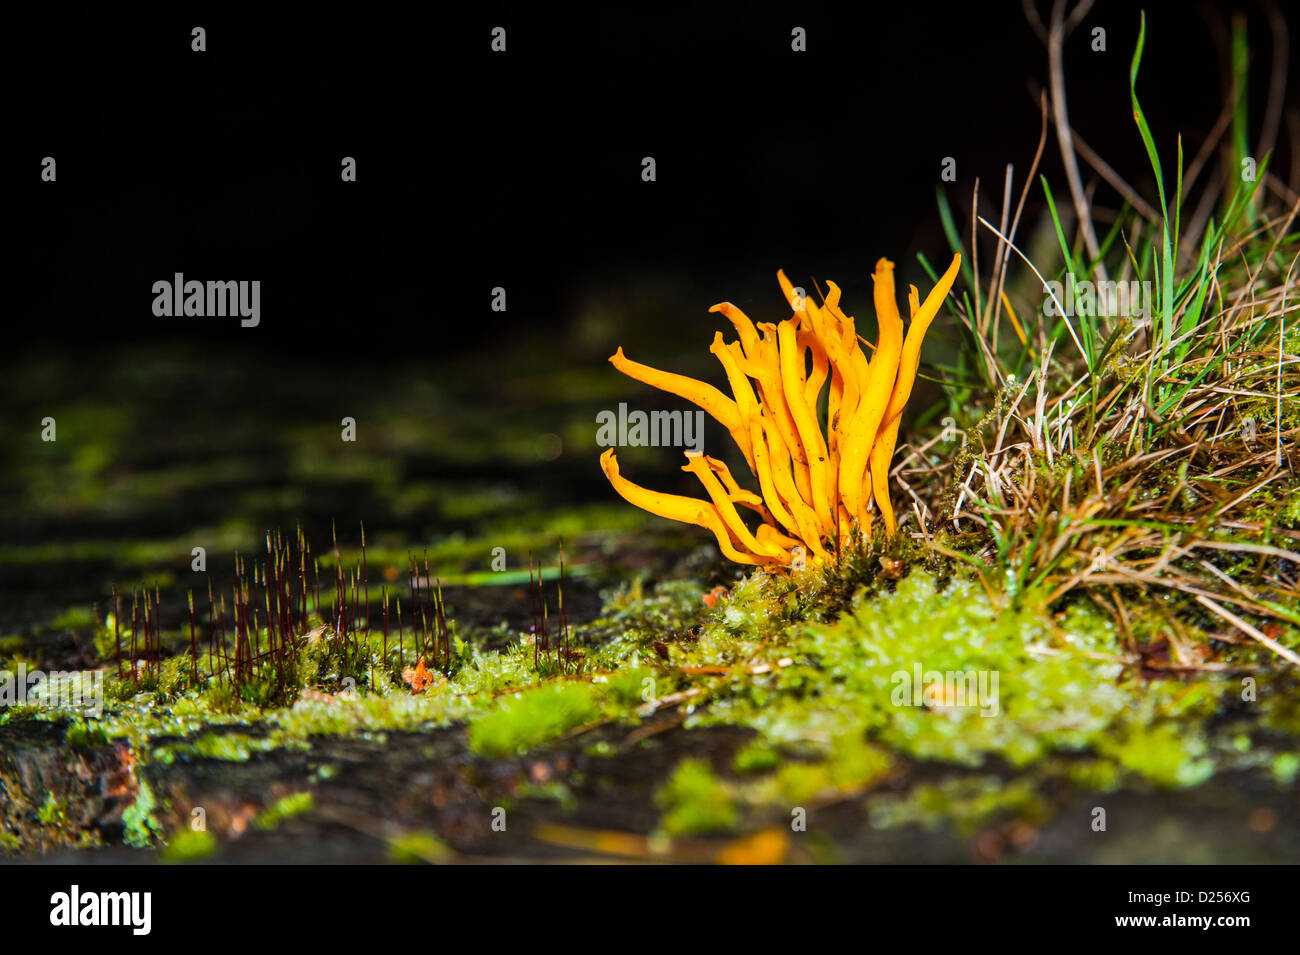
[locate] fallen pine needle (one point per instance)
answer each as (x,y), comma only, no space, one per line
(1247,629)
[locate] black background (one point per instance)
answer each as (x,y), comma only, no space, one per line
(1018,903)
(522,169)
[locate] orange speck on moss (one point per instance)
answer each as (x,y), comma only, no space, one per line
(418,677)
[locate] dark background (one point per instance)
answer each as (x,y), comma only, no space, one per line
(475,170)
(523,170)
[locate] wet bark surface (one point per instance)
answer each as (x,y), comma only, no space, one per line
(369,791)
(128,491)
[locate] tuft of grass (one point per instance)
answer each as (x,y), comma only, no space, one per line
(1139,459)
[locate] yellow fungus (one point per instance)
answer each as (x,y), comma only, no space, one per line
(817,483)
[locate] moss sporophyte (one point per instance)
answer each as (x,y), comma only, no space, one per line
(819,487)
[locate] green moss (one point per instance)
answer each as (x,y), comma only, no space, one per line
(19,711)
(553,790)
(11,644)
(1056,691)
(142,829)
(966,804)
(1286,766)
(852,765)
(527,719)
(232,747)
(695,802)
(1166,753)
(811,663)
(188,846)
(52,811)
(1096,775)
(629,687)
(81,735)
(756,756)
(418,846)
(1279,702)
(74,618)
(294,804)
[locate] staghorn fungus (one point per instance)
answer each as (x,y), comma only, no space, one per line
(815,485)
